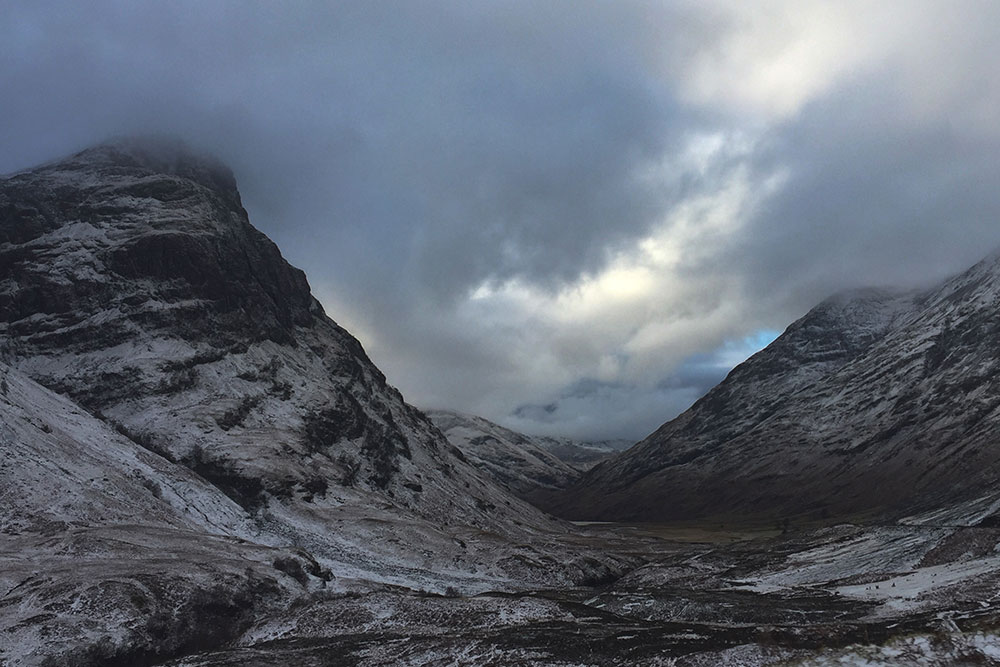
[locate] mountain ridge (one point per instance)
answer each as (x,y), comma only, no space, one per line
(828,419)
(531,467)
(132,282)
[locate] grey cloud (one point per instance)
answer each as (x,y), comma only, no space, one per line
(437,142)
(872,200)
(405,153)
(595,409)
(612,412)
(500,136)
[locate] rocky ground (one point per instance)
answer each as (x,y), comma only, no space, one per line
(843,594)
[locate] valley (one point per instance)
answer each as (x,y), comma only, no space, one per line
(199,467)
(805,598)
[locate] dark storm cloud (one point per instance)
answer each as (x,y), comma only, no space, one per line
(502,136)
(411,155)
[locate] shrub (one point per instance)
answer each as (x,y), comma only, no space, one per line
(350,466)
(325,426)
(237,415)
(178,380)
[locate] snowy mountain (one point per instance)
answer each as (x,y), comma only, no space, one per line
(876,401)
(199,468)
(530,467)
(134,284)
(513,459)
(181,419)
(583,454)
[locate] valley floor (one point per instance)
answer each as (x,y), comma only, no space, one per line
(704,595)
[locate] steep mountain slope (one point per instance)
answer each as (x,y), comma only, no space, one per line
(132,282)
(188,444)
(515,460)
(60,467)
(108,550)
(874,401)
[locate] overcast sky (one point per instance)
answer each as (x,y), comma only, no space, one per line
(570,217)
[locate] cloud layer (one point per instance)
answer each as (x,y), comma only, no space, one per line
(591,207)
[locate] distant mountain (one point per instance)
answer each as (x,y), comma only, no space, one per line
(583,454)
(518,462)
(530,467)
(876,402)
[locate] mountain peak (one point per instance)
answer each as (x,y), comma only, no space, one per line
(137,289)
(157,153)
(153,158)
(152,218)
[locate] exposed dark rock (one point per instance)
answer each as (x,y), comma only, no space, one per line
(136,261)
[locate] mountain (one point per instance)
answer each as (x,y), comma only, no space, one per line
(110,551)
(189,444)
(199,467)
(531,467)
(583,454)
(875,403)
(134,284)
(516,461)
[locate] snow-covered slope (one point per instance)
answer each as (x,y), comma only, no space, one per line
(133,282)
(181,419)
(107,549)
(60,467)
(517,461)
(874,401)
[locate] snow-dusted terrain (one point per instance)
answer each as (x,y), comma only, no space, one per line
(202,389)
(875,402)
(135,285)
(518,462)
(199,468)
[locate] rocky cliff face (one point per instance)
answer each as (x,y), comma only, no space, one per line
(188,443)
(132,282)
(873,402)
